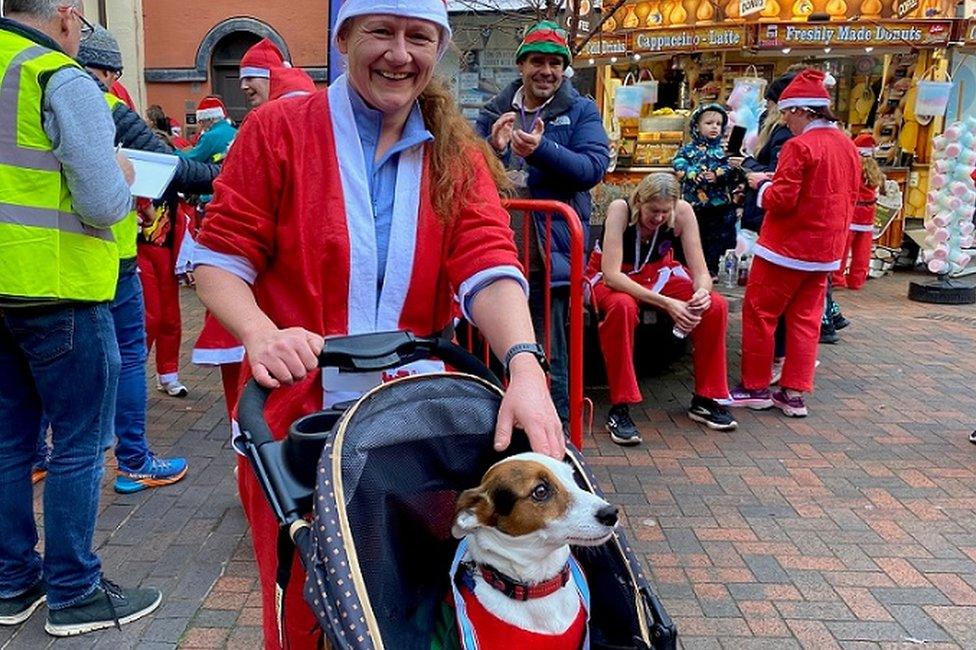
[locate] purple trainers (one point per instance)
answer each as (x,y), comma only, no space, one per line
(791,405)
(758,400)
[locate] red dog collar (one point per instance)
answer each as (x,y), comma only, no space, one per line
(519,590)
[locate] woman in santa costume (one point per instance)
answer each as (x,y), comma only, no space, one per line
(860,238)
(809,203)
(635,264)
(257,65)
(215,346)
(367,207)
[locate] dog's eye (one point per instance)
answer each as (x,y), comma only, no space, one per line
(541,492)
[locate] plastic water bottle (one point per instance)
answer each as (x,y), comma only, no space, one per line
(730,268)
(680,333)
(745,265)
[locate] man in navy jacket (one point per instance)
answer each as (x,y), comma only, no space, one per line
(552,140)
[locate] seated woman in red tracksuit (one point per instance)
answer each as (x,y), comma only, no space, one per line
(634,264)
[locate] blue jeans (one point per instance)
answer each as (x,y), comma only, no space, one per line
(129,317)
(62,361)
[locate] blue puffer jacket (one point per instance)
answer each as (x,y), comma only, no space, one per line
(572,158)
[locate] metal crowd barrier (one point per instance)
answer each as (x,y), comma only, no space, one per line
(526,238)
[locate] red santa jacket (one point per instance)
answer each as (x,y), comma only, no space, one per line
(495,634)
(279,204)
(867,200)
(810,202)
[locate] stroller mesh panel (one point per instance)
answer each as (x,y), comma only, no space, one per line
(407,451)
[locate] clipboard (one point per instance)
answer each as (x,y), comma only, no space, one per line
(154,172)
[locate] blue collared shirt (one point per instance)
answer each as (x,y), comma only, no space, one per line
(382,172)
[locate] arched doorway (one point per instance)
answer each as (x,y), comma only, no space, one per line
(224,70)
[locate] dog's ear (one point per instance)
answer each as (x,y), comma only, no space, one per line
(470,505)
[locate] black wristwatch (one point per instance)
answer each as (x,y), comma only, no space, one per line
(531,348)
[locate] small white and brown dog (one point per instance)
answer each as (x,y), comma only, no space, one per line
(515,575)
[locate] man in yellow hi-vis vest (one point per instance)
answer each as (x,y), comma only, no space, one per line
(61,189)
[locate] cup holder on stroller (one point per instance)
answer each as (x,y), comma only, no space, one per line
(303,446)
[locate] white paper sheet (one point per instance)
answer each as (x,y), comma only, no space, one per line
(154,171)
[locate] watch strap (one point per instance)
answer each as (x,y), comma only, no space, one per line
(531,348)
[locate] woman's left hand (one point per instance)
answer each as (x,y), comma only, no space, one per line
(528,405)
(701,300)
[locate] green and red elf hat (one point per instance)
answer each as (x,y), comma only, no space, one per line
(545,37)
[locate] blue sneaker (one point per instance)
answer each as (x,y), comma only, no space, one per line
(155,472)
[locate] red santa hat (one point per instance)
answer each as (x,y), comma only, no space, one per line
(261,59)
(807,90)
(865,144)
(211,108)
(289,82)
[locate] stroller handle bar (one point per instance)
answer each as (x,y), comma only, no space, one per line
(357,353)
(363,353)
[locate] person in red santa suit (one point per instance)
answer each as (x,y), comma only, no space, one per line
(860,238)
(633,265)
(216,346)
(290,82)
(367,207)
(256,66)
(809,203)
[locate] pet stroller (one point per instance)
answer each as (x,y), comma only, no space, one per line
(381,476)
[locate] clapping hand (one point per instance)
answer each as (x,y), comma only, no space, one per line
(501,131)
(524,144)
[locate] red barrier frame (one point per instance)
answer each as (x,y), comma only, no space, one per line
(576,251)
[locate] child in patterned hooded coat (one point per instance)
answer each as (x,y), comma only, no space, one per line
(707,180)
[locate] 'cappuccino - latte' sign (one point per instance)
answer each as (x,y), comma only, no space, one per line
(689,38)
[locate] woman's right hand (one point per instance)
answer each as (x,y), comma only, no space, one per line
(684,317)
(755,179)
(282,357)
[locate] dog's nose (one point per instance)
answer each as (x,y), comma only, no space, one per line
(607,515)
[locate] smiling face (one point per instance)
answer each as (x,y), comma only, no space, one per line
(256,90)
(390,59)
(710,124)
(542,74)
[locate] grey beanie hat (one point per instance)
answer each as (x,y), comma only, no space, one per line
(100,50)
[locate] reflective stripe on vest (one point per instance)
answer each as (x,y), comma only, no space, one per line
(45,249)
(126,231)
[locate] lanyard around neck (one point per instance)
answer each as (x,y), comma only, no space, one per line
(650,251)
(527,126)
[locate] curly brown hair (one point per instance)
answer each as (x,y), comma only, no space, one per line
(454,141)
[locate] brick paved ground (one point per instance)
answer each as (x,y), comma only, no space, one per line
(854,528)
